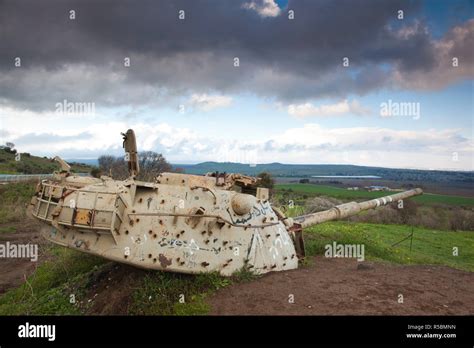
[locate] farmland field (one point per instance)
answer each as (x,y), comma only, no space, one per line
(341,193)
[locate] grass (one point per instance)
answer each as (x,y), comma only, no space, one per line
(29,164)
(295,210)
(429,246)
(7,229)
(13,201)
(164,293)
(47,291)
(341,193)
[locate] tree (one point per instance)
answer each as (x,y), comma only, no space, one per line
(9,147)
(113,166)
(266,180)
(151,165)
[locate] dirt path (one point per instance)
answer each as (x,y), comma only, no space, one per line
(14,270)
(342,286)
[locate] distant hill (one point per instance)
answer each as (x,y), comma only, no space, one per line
(93,162)
(29,164)
(308,170)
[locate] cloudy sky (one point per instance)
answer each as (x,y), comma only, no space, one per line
(367,82)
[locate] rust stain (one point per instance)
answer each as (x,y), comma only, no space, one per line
(82,217)
(164,261)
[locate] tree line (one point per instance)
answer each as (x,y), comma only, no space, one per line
(151,165)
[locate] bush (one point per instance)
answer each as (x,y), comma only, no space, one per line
(321,203)
(96,172)
(25,168)
(462,219)
(266,180)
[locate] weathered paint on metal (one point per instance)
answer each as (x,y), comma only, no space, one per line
(352,208)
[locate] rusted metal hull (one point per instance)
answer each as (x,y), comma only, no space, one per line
(165,227)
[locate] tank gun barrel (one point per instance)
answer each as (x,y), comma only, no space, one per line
(64,166)
(352,208)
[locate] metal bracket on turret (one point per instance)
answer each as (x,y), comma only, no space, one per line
(298,240)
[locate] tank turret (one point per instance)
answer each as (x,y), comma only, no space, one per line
(184,223)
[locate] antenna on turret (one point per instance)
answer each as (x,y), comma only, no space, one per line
(131,155)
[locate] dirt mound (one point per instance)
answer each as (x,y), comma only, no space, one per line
(346,287)
(111,288)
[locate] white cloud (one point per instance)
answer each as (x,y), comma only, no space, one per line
(205,102)
(341,108)
(265,8)
(311,143)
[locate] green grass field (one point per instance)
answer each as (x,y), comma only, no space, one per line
(430,247)
(13,201)
(341,193)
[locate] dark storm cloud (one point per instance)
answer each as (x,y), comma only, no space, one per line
(82,59)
